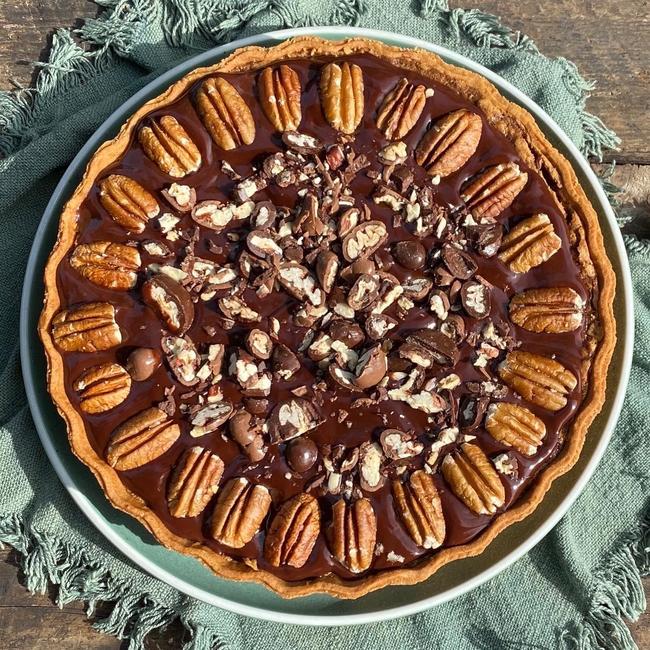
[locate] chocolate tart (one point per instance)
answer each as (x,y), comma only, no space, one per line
(328,316)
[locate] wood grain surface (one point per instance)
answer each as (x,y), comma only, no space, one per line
(608,41)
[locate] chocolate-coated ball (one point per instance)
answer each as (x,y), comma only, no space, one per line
(142,363)
(410,254)
(301,454)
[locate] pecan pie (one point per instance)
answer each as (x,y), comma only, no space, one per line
(328,316)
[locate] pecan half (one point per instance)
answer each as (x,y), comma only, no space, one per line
(363,240)
(420,510)
(293,532)
(493,189)
(89,327)
(401,109)
(530,243)
(353,533)
(194,481)
(341,91)
(450,143)
(167,143)
(538,379)
(141,439)
(102,388)
(552,310)
(225,114)
(473,479)
(515,426)
(128,203)
(170,301)
(280,97)
(107,264)
(240,510)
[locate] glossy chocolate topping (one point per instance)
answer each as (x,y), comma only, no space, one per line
(345,420)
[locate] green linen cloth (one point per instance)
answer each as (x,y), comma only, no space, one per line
(573,590)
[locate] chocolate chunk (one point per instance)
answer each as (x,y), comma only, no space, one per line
(410,254)
(371,368)
(363,292)
(285,363)
(350,334)
(485,238)
(471,412)
(459,263)
(441,347)
(263,215)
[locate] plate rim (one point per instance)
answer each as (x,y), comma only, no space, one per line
(576,160)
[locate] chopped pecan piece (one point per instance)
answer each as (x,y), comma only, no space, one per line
(171,302)
(235,308)
(182,358)
(401,109)
(473,479)
(210,418)
(300,283)
(141,439)
(167,143)
(353,533)
(293,532)
(399,444)
(419,507)
(194,481)
(530,243)
(216,215)
(493,190)
(450,143)
(280,97)
(363,240)
(551,310)
(102,388)
(292,418)
(371,459)
(89,327)
(239,513)
(107,264)
(540,380)
(515,426)
(341,90)
(225,114)
(128,203)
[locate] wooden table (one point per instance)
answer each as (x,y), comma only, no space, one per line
(607,39)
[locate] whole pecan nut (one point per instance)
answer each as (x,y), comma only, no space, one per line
(401,109)
(353,533)
(449,143)
(280,97)
(540,380)
(225,114)
(515,426)
(107,264)
(102,388)
(193,482)
(530,243)
(293,532)
(141,439)
(341,90)
(239,513)
(420,509)
(128,203)
(473,479)
(551,310)
(168,144)
(88,327)
(493,189)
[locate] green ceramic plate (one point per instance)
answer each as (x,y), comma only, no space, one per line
(254,600)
